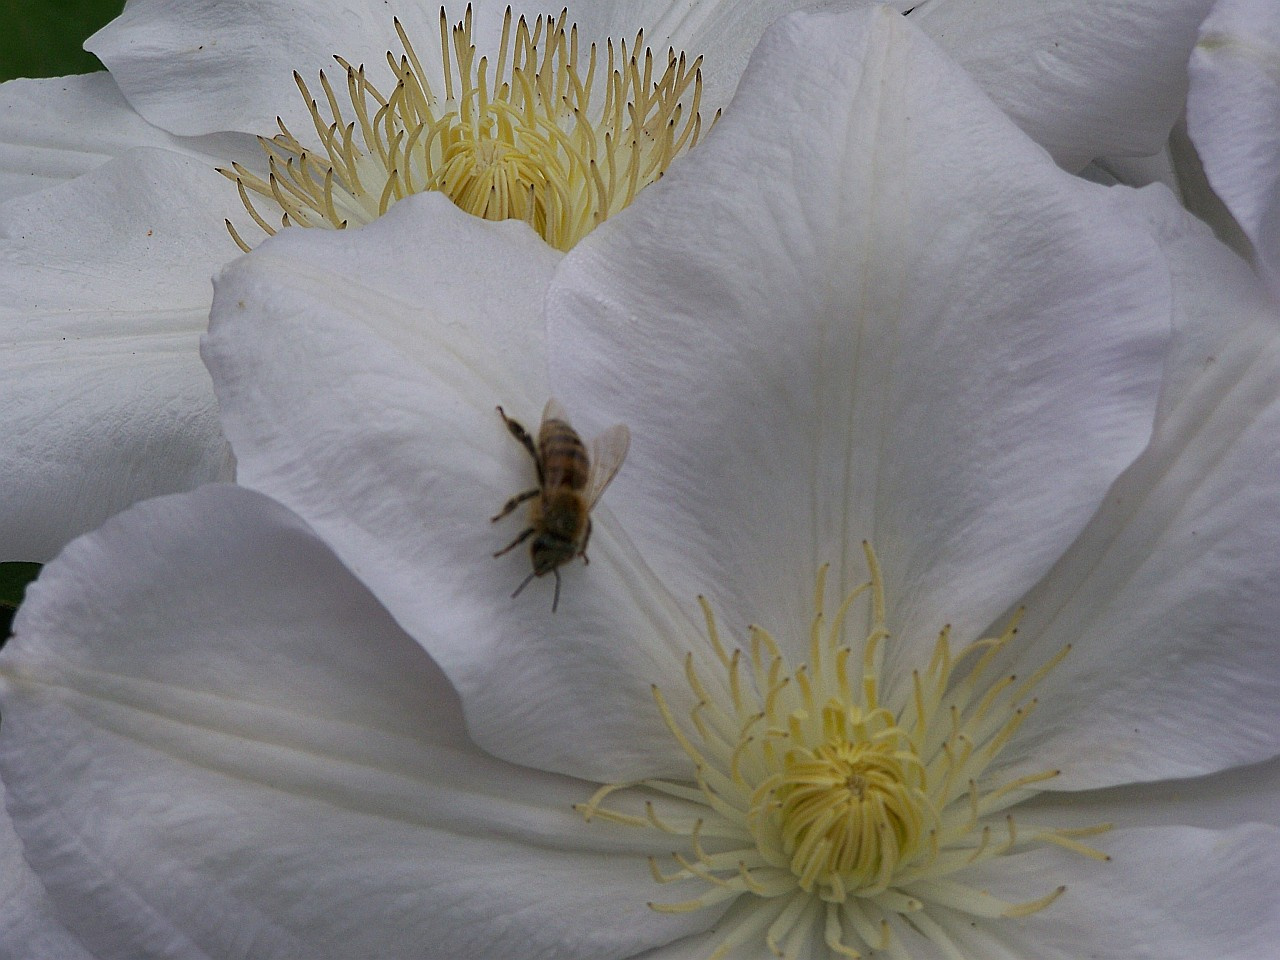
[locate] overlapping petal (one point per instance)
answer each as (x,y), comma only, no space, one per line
(1167,597)
(108,234)
(213,65)
(52,130)
(29,928)
(836,334)
(217,743)
(358,374)
(1233,115)
(1143,902)
(105,292)
(1085,78)
(1216,801)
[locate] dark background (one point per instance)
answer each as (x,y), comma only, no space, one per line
(42,38)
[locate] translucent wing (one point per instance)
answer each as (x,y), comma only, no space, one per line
(606,454)
(554,411)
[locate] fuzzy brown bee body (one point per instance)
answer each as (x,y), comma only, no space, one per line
(570,481)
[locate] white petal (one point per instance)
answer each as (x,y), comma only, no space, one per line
(1227,799)
(29,928)
(1198,196)
(1169,596)
(1085,78)
(54,129)
(1134,171)
(358,373)
(1166,892)
(884,316)
(199,66)
(217,743)
(103,293)
(723,31)
(1233,114)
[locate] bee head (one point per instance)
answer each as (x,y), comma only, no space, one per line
(549,551)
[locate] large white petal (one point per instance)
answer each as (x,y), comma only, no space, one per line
(54,129)
(1086,78)
(358,373)
(57,128)
(1216,801)
(885,316)
(1166,892)
(103,294)
(217,743)
(722,31)
(1233,115)
(1169,596)
(199,67)
(29,927)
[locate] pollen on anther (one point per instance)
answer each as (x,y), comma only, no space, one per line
(548,133)
(847,805)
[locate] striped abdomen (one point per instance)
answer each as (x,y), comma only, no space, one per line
(563,456)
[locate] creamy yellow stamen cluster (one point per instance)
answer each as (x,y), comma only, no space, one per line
(837,807)
(537,136)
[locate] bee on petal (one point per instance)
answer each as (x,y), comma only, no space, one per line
(571,479)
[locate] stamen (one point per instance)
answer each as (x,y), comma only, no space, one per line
(849,809)
(520,137)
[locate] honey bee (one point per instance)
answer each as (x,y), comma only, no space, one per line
(570,481)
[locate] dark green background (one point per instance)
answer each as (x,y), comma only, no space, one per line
(43,38)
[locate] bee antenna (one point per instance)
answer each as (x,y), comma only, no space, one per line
(555,600)
(523,583)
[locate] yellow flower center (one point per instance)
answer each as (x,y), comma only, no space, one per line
(845,805)
(537,135)
(849,810)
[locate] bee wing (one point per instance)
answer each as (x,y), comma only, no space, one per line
(606,454)
(554,411)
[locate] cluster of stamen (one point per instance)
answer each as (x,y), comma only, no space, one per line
(537,136)
(836,807)
(853,806)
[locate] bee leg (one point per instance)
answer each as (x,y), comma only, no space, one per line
(516,542)
(585,540)
(514,502)
(555,600)
(523,583)
(520,433)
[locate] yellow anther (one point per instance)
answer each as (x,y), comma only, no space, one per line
(534,136)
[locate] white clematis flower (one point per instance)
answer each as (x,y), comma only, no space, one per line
(1233,115)
(107,290)
(109,401)
(900,324)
